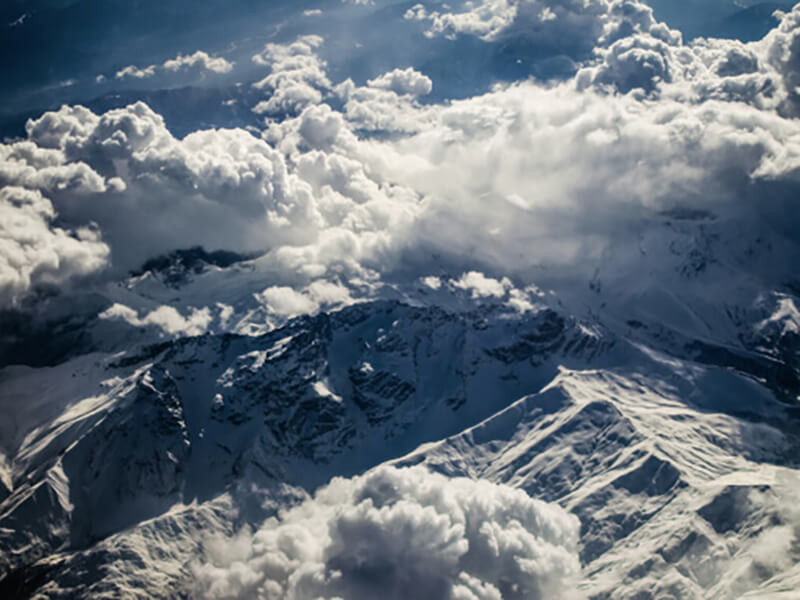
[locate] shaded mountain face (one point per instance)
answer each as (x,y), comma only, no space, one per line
(134,459)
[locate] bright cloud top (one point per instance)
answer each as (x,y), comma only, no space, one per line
(401,533)
(297,76)
(403,81)
(35,253)
(374,184)
(200,62)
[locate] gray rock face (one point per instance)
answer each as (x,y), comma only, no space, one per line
(218,430)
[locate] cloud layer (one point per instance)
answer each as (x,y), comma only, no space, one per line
(350,184)
(401,533)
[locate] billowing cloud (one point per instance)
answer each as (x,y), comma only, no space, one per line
(481,286)
(285,301)
(401,533)
(33,252)
(200,62)
(297,76)
(167,318)
(379,108)
(570,27)
(514,182)
(403,81)
(762,73)
(782,49)
(135,72)
(150,192)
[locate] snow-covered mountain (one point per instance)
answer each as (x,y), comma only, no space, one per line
(676,450)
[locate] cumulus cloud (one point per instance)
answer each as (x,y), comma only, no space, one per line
(570,27)
(481,286)
(649,58)
(132,71)
(403,81)
(167,318)
(285,301)
(374,186)
(199,62)
(150,192)
(297,76)
(401,533)
(378,108)
(781,47)
(34,253)
(529,175)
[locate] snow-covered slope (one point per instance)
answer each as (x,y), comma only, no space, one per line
(677,452)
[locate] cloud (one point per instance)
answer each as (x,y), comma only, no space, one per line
(763,74)
(528,175)
(481,286)
(150,192)
(199,62)
(167,318)
(781,48)
(297,76)
(35,253)
(376,108)
(550,27)
(524,181)
(400,533)
(132,71)
(285,301)
(403,81)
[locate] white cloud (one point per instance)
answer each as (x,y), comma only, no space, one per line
(150,192)
(431,281)
(35,253)
(164,317)
(378,109)
(570,27)
(132,71)
(285,301)
(403,81)
(481,286)
(525,177)
(781,48)
(200,60)
(297,76)
(400,533)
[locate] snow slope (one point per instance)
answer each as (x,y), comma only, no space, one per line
(661,411)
